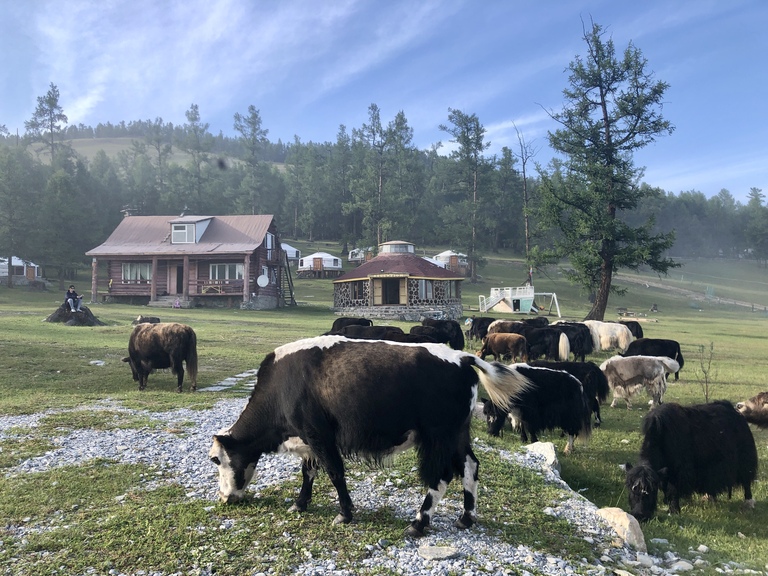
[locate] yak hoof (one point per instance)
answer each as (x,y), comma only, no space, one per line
(464,521)
(749,504)
(341,519)
(413,532)
(297,508)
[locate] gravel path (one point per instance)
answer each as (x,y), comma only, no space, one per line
(182,459)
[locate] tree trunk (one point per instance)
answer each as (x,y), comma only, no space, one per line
(603,290)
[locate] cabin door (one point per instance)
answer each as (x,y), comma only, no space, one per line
(175,279)
(390,292)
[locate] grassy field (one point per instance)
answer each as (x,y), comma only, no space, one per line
(45,366)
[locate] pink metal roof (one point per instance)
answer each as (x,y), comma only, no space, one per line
(399,264)
(151,235)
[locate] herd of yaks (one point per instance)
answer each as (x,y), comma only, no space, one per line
(369,391)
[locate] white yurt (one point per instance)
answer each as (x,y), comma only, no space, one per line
(319,265)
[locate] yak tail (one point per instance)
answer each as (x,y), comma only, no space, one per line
(564,348)
(671,366)
(191,359)
(502,383)
(625,338)
(586,417)
(601,385)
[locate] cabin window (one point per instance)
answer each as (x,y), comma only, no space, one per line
(182,233)
(227,271)
(136,272)
(426,289)
(358,290)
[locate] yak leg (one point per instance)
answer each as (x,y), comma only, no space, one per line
(143,381)
(469,482)
(308,474)
(569,445)
(329,458)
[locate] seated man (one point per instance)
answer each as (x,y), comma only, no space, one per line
(73,299)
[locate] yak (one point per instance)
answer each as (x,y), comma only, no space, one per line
(163,345)
(330,397)
(703,448)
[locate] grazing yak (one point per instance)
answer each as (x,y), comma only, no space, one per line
(704,448)
(553,399)
(478,327)
(164,345)
(549,342)
(330,397)
(627,375)
(634,326)
(657,347)
(579,338)
(140,319)
(755,410)
(339,323)
(502,346)
(609,335)
(367,332)
(450,331)
(591,377)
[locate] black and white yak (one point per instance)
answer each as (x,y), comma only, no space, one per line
(553,399)
(329,397)
(704,449)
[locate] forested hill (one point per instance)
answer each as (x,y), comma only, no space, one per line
(365,187)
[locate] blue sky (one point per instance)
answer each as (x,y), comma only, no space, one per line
(310,66)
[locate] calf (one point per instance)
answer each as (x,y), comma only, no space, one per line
(591,377)
(329,397)
(755,410)
(504,346)
(705,449)
(626,376)
(554,399)
(657,347)
(164,345)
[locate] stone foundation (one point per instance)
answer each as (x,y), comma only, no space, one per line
(403,313)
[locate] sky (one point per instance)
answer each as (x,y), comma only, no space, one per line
(310,66)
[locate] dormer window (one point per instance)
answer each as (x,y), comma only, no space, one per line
(182,233)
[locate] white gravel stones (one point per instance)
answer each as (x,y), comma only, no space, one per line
(177,449)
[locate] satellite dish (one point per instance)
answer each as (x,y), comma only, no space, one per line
(262,280)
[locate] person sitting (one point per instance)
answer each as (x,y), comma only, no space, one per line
(74,299)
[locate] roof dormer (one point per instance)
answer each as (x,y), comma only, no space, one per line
(188,229)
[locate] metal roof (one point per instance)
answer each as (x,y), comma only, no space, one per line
(401,264)
(151,236)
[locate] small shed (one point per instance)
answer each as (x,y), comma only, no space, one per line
(319,265)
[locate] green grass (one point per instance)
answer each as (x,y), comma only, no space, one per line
(102,515)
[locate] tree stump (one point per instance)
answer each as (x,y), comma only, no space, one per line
(83,318)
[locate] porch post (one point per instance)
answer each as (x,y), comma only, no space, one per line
(185,291)
(153,282)
(247,278)
(94,280)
